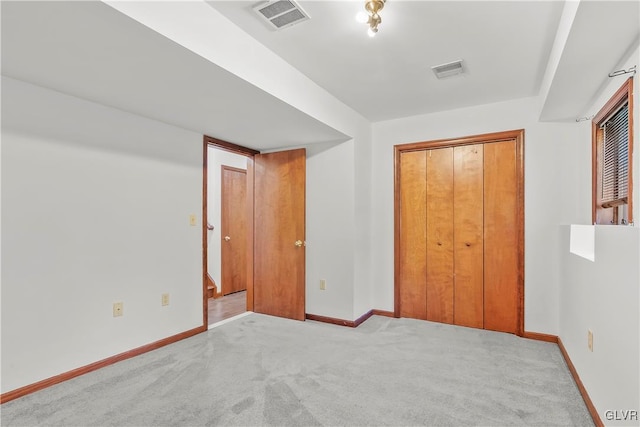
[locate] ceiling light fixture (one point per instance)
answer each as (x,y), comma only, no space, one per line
(372,15)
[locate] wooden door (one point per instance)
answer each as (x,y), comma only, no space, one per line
(279,234)
(439,274)
(413,231)
(500,237)
(233,230)
(460,231)
(468,235)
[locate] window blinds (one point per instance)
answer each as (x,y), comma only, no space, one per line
(615,166)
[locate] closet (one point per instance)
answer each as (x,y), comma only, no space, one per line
(460,231)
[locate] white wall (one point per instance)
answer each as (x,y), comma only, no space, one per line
(96,206)
(215,159)
(330,230)
(544,192)
(363,274)
(603,296)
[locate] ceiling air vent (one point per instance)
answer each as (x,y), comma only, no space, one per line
(449,69)
(281,13)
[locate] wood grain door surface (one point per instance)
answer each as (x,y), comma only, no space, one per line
(279,234)
(440,283)
(460,229)
(500,237)
(233,230)
(468,235)
(413,267)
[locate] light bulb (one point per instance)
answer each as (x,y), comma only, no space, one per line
(362,17)
(371,32)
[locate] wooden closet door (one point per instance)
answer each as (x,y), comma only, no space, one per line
(440,235)
(468,226)
(413,251)
(500,237)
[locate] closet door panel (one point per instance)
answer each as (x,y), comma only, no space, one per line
(440,235)
(500,237)
(413,230)
(468,235)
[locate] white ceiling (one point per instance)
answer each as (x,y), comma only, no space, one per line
(92,51)
(603,33)
(505,46)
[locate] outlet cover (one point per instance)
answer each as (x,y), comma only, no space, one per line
(165,299)
(323,284)
(590,339)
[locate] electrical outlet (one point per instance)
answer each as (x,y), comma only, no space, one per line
(323,284)
(118,309)
(192,220)
(165,299)
(590,339)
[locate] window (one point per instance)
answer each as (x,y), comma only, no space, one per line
(612,147)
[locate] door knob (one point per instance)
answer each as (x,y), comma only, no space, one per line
(298,243)
(227,238)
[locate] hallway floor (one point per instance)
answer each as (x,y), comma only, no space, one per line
(227,306)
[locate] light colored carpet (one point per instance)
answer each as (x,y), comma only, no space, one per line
(262,370)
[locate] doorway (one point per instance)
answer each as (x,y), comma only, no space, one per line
(459,231)
(262,253)
(227,237)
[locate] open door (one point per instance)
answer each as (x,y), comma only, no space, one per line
(279,234)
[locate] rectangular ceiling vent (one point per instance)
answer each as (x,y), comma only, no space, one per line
(448,70)
(281,14)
